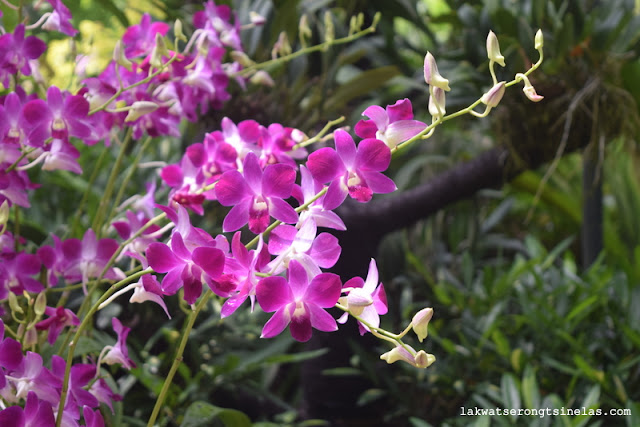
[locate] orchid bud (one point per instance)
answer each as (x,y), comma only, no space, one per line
(177,31)
(329,30)
(13,304)
(494,96)
(41,304)
(119,57)
(398,353)
(304,32)
(241,58)
(423,359)
(30,336)
(263,78)
(437,103)
(282,47)
(493,49)
(4,215)
(420,322)
(256,18)
(528,89)
(539,40)
(431,74)
(139,109)
(356,22)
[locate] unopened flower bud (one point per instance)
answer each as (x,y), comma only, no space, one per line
(539,40)
(437,103)
(159,51)
(494,96)
(256,18)
(423,359)
(282,46)
(418,359)
(431,75)
(493,49)
(528,89)
(356,22)
(263,78)
(241,58)
(304,32)
(119,57)
(13,304)
(329,30)
(177,31)
(139,109)
(420,323)
(41,304)
(4,215)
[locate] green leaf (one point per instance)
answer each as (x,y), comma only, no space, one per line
(584,305)
(361,85)
(530,391)
(510,392)
(205,414)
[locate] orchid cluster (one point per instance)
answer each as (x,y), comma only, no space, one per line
(272,184)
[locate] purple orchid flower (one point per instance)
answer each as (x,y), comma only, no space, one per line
(307,190)
(186,268)
(140,39)
(312,252)
(298,302)
(19,270)
(356,172)
(88,257)
(241,269)
(59,19)
(58,318)
(36,413)
(256,195)
(16,51)
(392,125)
(365,298)
(92,418)
(119,353)
(60,117)
(14,126)
(80,376)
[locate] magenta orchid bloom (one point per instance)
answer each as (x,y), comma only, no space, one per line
(306,191)
(351,171)
(60,117)
(58,318)
(88,257)
(59,19)
(311,251)
(256,195)
(298,302)
(140,39)
(186,268)
(365,298)
(16,51)
(392,125)
(36,412)
(119,353)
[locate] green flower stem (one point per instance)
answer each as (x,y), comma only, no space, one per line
(146,80)
(246,72)
(320,134)
(178,358)
(85,196)
(24,154)
(108,191)
(83,325)
(395,339)
(133,168)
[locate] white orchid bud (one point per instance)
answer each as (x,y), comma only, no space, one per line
(139,109)
(432,76)
(494,96)
(493,49)
(437,103)
(539,40)
(420,322)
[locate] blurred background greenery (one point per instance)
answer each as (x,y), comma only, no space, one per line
(521,320)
